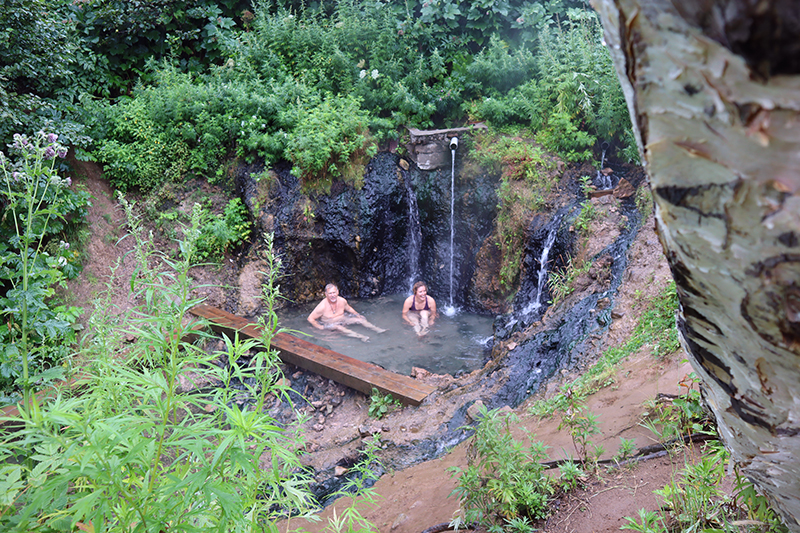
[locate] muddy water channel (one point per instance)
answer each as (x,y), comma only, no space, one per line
(456,344)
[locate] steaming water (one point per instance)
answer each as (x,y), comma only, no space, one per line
(450,310)
(455,344)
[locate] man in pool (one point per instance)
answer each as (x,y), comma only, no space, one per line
(419,309)
(335,313)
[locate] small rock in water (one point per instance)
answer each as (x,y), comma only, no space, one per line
(419,373)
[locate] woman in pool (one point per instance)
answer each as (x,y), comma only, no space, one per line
(419,309)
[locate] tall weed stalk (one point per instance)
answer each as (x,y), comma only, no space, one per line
(37,207)
(158,440)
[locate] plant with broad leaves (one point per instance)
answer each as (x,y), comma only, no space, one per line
(39,210)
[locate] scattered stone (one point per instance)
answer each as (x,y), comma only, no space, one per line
(602,303)
(403,164)
(617,314)
(317,404)
(511,345)
(318,427)
(401,518)
(328,409)
(321,419)
(385,428)
(297,374)
(210,408)
(419,373)
(365,430)
(624,189)
(473,411)
(339,471)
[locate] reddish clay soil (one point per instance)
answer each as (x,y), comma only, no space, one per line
(416,498)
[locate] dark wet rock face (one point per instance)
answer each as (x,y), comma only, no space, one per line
(359,239)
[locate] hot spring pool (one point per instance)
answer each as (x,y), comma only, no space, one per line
(458,343)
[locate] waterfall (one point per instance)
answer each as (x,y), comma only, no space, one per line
(450,310)
(414,233)
(603,181)
(536,301)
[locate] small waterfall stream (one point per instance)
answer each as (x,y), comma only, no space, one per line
(603,181)
(450,310)
(536,301)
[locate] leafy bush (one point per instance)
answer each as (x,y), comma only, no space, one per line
(124,35)
(220,234)
(44,70)
(504,480)
(497,68)
(39,213)
(695,501)
(330,140)
(526,178)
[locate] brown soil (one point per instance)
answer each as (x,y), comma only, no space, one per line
(418,497)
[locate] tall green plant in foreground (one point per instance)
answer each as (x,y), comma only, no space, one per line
(695,501)
(141,449)
(504,485)
(38,210)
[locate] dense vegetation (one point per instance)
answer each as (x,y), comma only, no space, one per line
(168,90)
(144,91)
(165,90)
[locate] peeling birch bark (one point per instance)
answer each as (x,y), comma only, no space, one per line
(713,88)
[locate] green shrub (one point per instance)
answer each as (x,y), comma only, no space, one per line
(497,68)
(503,480)
(381,404)
(695,501)
(219,234)
(330,141)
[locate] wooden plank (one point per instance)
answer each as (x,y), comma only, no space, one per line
(343,369)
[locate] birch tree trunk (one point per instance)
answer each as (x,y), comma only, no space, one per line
(714,93)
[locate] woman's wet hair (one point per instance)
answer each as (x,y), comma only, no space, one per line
(417,285)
